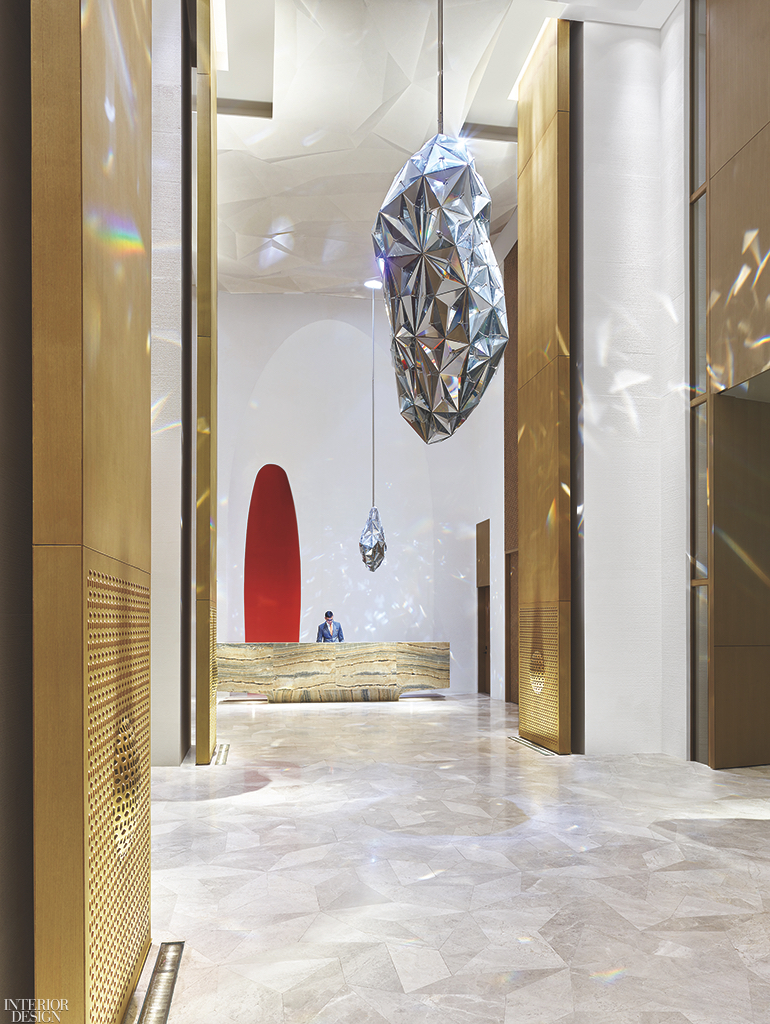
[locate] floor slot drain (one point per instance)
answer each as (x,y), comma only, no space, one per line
(157,1001)
(532,746)
(220,753)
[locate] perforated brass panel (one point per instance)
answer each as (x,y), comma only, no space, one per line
(118,788)
(207,682)
(543,400)
(213,678)
(91,96)
(539,675)
(544,705)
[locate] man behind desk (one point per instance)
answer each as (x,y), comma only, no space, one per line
(329,632)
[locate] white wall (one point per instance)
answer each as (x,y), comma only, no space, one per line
(166,382)
(635,404)
(294,389)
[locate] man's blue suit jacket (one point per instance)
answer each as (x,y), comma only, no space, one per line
(325,637)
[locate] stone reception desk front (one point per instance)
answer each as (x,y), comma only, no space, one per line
(288,673)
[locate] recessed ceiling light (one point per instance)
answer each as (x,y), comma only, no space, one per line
(373,283)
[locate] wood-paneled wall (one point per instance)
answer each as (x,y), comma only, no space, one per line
(91,200)
(206,464)
(738,233)
(544,394)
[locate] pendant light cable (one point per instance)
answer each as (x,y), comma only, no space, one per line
(373,398)
(440,67)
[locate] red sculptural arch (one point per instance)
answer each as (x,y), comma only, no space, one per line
(271,568)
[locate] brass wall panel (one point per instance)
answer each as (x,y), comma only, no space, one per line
(206,669)
(739,75)
(738,233)
(544,471)
(544,88)
(59,781)
(740,584)
(511,402)
(56,282)
(206,468)
(739,206)
(117,754)
(116,179)
(92,881)
(543,190)
(740,716)
(512,627)
(482,554)
(511,474)
(206,464)
(741,509)
(544,512)
(91,446)
(544,678)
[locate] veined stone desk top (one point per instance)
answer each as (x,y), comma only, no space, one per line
(286,673)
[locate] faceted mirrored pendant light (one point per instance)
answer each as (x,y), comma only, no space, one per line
(372,543)
(443,287)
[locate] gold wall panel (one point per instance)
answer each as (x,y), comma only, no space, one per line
(60,769)
(92,882)
(511,401)
(206,669)
(116,110)
(482,554)
(740,707)
(544,507)
(544,467)
(118,782)
(544,677)
(57,226)
(543,190)
(740,584)
(544,88)
(739,75)
(206,463)
(91,153)
(739,215)
(741,510)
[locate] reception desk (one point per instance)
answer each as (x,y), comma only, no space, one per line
(289,673)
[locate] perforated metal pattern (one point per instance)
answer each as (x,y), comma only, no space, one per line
(118,755)
(128,780)
(213,676)
(539,674)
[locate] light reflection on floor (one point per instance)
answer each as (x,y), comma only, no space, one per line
(407,862)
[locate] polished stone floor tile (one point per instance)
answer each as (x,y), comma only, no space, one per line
(405,862)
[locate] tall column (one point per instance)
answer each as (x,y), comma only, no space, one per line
(206,475)
(738,414)
(91,146)
(544,394)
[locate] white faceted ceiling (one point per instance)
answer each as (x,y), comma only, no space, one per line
(353,96)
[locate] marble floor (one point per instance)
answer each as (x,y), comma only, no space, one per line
(409,862)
